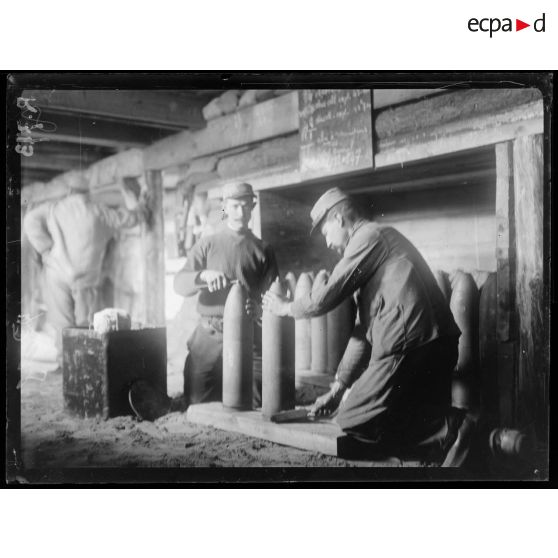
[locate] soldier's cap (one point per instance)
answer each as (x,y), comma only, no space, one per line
(237,190)
(326,201)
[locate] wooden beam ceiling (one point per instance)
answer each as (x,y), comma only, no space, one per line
(90,130)
(81,127)
(169,109)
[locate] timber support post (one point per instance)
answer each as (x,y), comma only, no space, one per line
(531,292)
(153,242)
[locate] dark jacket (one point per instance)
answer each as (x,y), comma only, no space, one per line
(400,304)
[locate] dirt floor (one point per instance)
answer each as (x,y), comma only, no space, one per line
(52,439)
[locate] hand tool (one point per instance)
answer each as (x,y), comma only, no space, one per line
(293,415)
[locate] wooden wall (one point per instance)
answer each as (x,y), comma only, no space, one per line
(453,228)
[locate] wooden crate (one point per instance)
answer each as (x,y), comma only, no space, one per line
(99,368)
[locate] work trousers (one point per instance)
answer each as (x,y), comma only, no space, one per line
(403,400)
(203,370)
(68,306)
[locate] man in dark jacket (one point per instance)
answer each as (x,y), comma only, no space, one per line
(233,253)
(393,384)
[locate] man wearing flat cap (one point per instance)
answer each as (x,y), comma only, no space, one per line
(232,253)
(393,385)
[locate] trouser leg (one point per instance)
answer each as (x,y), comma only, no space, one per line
(87,301)
(203,370)
(404,401)
(60,306)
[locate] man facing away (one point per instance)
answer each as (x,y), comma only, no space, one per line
(393,385)
(70,237)
(232,253)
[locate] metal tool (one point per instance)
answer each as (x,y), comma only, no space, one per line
(293,415)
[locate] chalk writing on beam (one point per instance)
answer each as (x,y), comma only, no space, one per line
(335,130)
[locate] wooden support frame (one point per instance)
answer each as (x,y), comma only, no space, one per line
(505,266)
(531,299)
(153,242)
(522,313)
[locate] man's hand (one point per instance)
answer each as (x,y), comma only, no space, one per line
(216,280)
(253,309)
(276,304)
(328,403)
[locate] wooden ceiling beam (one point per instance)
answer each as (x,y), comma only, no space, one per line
(61,161)
(88,130)
(29,175)
(170,109)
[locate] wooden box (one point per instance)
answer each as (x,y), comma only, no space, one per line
(98,369)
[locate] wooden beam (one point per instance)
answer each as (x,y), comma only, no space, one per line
(505,287)
(153,241)
(320,436)
(60,161)
(532,311)
(164,108)
(382,98)
(277,154)
(111,169)
(29,176)
(461,134)
(272,118)
(505,238)
(451,106)
(85,129)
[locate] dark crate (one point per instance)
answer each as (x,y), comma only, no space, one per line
(99,368)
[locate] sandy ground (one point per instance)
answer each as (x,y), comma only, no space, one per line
(52,439)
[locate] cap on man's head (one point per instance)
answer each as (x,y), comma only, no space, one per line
(238,190)
(326,201)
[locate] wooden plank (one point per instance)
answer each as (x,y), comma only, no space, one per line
(452,106)
(272,118)
(529,281)
(164,107)
(28,176)
(382,98)
(461,134)
(111,169)
(153,241)
(84,129)
(506,363)
(505,287)
(320,436)
(277,154)
(504,237)
(61,161)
